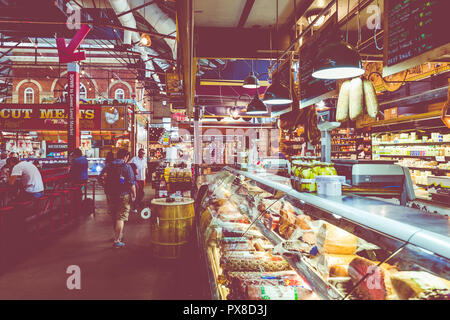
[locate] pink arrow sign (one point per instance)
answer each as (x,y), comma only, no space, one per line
(68,54)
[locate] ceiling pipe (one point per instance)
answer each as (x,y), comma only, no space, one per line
(159,20)
(127,20)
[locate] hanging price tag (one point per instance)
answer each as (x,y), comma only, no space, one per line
(440,158)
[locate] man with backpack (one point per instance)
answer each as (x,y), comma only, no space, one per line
(119,183)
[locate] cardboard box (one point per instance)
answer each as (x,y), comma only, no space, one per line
(390,113)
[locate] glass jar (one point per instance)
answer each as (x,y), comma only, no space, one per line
(308,183)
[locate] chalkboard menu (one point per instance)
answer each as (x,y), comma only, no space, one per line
(312,90)
(416,30)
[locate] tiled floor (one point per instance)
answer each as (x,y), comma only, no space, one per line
(106,273)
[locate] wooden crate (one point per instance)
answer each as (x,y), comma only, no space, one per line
(390,113)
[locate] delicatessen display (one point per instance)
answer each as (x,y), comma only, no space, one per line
(260,243)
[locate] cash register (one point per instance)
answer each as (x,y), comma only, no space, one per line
(376,178)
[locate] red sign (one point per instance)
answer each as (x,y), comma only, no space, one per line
(73,127)
(68,54)
(49,117)
(179,116)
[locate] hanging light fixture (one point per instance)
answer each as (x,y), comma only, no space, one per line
(256,106)
(145,40)
(251,82)
(312,14)
(277,93)
(338,60)
(234,113)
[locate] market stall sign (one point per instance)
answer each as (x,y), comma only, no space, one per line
(26,117)
(375,68)
(56,147)
(113,118)
(313,90)
(415,33)
(179,116)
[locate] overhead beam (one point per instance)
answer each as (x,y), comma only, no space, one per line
(301,9)
(108,25)
(245,13)
(185,26)
(136,8)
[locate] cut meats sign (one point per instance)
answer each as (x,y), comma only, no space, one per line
(46,117)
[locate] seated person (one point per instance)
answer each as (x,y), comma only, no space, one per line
(78,173)
(31,184)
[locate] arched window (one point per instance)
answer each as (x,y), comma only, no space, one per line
(83,93)
(28,95)
(119,94)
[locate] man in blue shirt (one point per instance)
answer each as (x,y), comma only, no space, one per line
(78,173)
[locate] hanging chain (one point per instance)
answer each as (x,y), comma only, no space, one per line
(276,30)
(359,25)
(376,27)
(346,22)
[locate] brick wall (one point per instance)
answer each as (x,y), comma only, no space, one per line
(49,82)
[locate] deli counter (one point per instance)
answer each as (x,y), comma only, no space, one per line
(261,239)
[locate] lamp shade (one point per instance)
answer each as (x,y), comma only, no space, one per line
(256,106)
(338,60)
(251,82)
(277,94)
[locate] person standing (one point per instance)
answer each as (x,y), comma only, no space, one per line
(141,164)
(32,186)
(3,171)
(102,176)
(119,183)
(78,173)
(3,157)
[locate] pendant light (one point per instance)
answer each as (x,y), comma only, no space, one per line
(339,60)
(256,106)
(277,93)
(251,82)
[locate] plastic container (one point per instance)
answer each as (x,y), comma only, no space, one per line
(330,185)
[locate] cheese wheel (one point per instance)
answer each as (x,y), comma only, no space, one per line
(334,240)
(370,98)
(343,101)
(409,284)
(355,104)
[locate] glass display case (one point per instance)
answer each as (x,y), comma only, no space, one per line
(261,239)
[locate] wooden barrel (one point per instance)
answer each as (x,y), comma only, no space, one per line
(171,226)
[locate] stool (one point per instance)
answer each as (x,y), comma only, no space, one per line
(63,193)
(73,190)
(39,201)
(52,196)
(3,212)
(20,208)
